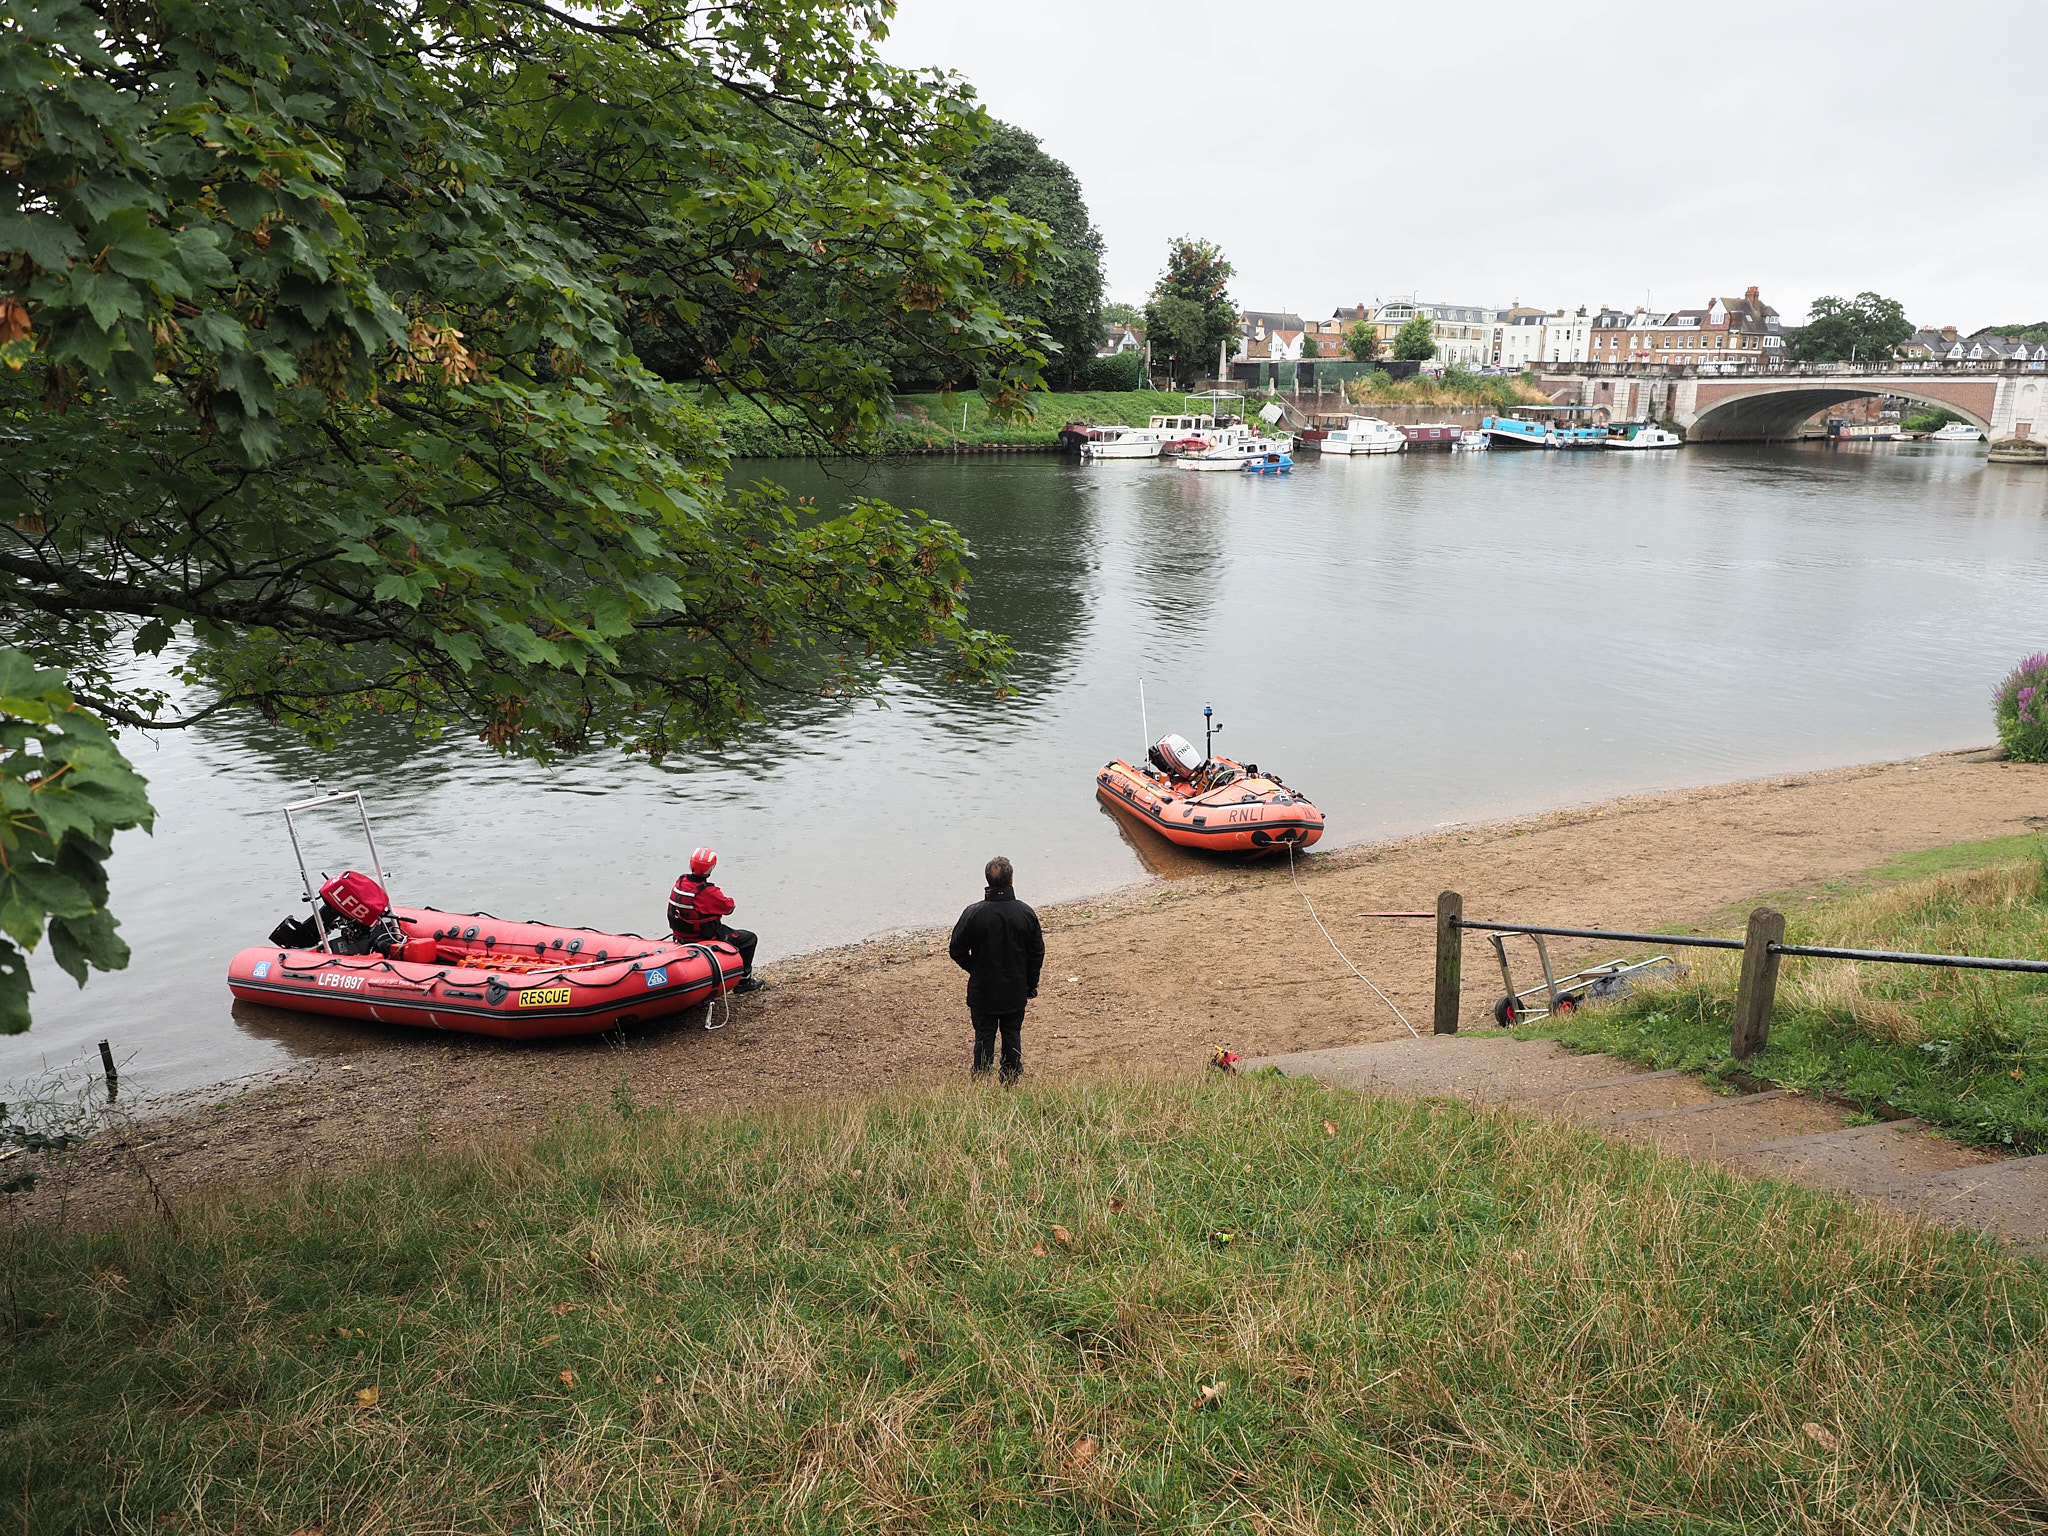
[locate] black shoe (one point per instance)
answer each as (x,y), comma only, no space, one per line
(750,984)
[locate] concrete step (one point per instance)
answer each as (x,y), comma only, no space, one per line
(2007,1197)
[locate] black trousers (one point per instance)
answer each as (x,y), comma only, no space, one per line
(1011,1026)
(739,938)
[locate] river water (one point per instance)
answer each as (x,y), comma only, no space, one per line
(1414,641)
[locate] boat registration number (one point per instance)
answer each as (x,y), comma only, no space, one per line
(543,997)
(346,982)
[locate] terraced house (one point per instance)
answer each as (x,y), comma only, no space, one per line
(1738,333)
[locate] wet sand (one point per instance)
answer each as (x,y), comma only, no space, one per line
(1144,979)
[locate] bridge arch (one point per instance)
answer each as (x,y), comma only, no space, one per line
(1772,411)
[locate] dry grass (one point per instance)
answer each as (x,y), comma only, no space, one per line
(1454,391)
(966,1310)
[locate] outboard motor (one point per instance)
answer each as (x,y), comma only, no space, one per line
(1175,757)
(357,915)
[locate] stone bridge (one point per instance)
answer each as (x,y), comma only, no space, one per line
(1767,405)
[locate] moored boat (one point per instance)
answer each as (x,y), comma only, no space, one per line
(1432,436)
(1270,464)
(1471,442)
(1641,434)
(1212,803)
(1234,450)
(1513,432)
(1128,443)
(1956,432)
(1365,434)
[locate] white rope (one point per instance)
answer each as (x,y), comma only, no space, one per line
(1376,992)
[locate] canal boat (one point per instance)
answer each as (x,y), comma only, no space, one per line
(1233,451)
(1513,432)
(1432,436)
(1202,801)
(359,956)
(1641,434)
(1956,432)
(1365,434)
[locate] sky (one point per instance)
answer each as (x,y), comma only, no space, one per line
(1344,151)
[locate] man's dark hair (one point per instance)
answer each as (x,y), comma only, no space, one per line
(999,871)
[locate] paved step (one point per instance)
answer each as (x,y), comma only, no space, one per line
(1776,1134)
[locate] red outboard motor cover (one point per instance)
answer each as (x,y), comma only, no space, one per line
(356,896)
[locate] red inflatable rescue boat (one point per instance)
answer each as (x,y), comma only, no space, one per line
(1210,802)
(359,957)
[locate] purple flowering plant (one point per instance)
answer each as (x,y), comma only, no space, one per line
(2020,707)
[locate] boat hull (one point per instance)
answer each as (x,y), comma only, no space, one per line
(489,976)
(1116,450)
(1350,448)
(1222,820)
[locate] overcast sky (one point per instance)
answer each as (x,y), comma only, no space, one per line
(1482,152)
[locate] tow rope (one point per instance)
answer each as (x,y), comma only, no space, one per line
(1376,992)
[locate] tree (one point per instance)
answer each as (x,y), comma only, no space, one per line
(1415,341)
(1310,348)
(1362,342)
(1066,300)
(1189,315)
(2036,332)
(1127,315)
(1866,327)
(1119,373)
(316,328)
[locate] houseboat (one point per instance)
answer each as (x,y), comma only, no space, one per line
(1365,434)
(1432,436)
(1513,432)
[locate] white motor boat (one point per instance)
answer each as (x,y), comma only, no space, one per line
(1956,432)
(1131,443)
(1471,442)
(1236,450)
(1640,434)
(1365,434)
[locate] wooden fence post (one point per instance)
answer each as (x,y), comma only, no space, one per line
(1757,993)
(1450,960)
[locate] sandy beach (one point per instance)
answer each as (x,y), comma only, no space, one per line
(1144,979)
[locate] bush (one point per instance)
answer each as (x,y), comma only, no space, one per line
(2021,708)
(1124,371)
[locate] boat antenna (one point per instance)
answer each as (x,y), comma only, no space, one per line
(1144,721)
(1210,729)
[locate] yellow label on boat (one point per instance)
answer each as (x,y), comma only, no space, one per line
(543,997)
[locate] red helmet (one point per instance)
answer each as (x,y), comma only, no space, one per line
(702,860)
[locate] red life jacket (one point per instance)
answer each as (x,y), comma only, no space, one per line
(696,906)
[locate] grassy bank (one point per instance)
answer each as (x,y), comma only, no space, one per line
(1454,390)
(1232,1305)
(1964,1050)
(933,423)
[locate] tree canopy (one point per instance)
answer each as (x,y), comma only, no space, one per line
(1189,315)
(317,323)
(1837,330)
(1066,300)
(1415,342)
(1362,342)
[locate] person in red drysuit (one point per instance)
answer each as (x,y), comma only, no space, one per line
(697,910)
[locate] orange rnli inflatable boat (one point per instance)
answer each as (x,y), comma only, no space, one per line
(487,976)
(1210,802)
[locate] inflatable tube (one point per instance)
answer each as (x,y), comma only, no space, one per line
(1225,807)
(487,976)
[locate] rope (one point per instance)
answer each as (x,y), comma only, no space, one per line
(1376,992)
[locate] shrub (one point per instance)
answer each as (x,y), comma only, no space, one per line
(2021,708)
(1119,373)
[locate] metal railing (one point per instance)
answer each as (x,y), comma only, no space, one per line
(1762,947)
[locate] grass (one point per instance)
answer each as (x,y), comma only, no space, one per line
(1237,1305)
(932,423)
(1963,1050)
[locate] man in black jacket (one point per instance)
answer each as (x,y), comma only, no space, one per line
(997,943)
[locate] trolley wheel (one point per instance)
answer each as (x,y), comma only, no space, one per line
(1505,1013)
(1567,1004)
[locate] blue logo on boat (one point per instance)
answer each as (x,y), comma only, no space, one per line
(262,967)
(658,978)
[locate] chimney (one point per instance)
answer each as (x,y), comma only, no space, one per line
(1750,294)
(1948,333)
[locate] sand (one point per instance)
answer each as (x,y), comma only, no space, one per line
(1147,978)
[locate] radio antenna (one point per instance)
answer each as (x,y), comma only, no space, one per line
(1144,721)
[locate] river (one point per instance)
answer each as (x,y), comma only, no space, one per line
(1415,641)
